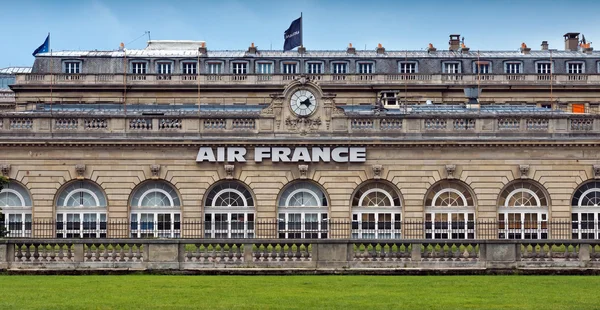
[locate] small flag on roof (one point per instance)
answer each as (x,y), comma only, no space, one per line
(44,48)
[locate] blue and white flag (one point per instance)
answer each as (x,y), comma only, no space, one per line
(293,35)
(44,48)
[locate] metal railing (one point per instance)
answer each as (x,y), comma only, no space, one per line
(326,229)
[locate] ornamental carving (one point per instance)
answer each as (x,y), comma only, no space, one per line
(303,171)
(377,171)
(80,170)
(524,171)
(303,125)
(155,171)
(450,171)
(596,171)
(229,171)
(5,169)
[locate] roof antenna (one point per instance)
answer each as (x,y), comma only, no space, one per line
(148,32)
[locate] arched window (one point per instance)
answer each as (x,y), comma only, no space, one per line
(303,211)
(155,211)
(81,211)
(523,211)
(15,204)
(229,211)
(585,211)
(376,212)
(449,211)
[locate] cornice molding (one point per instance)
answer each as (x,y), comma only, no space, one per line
(405,144)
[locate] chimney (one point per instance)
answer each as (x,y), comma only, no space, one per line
(121,47)
(524,49)
(571,41)
(202,49)
(350,49)
(544,45)
(431,48)
(251,49)
(454,43)
(380,49)
(301,49)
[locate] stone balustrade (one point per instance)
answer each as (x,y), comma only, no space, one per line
(281,255)
(283,79)
(397,126)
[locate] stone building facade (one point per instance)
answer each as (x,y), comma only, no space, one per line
(303,151)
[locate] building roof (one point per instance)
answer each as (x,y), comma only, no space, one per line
(368,110)
(149,109)
(232,110)
(15,70)
(192,53)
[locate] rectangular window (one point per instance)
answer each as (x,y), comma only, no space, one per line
(482,68)
(376,226)
(365,68)
(264,68)
(340,68)
(239,68)
(189,68)
(450,225)
(138,68)
(290,68)
(544,67)
(408,67)
(18,224)
(389,98)
(155,225)
(214,68)
(513,68)
(574,68)
(314,68)
(72,67)
(163,68)
(523,225)
(81,225)
(451,68)
(303,225)
(228,225)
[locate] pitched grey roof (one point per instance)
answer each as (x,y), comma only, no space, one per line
(324,54)
(15,70)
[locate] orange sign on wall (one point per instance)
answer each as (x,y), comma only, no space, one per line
(578,108)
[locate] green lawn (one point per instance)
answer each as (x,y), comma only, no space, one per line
(299,292)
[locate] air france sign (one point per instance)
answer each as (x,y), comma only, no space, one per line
(284,154)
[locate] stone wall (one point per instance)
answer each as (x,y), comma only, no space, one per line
(119,168)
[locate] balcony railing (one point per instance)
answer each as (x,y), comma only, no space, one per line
(283,79)
(326,229)
(252,256)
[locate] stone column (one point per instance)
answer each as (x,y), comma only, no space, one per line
(415,253)
(162,255)
(248,255)
(332,255)
(502,254)
(584,253)
(78,252)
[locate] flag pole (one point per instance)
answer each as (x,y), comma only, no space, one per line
(124,80)
(301,31)
(51,81)
(198,77)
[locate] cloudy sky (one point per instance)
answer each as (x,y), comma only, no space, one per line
(398,25)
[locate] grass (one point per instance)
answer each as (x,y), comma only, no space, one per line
(299,292)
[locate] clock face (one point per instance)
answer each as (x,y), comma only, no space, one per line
(303,103)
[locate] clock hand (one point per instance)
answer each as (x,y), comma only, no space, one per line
(305,102)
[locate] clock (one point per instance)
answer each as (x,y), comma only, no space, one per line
(303,103)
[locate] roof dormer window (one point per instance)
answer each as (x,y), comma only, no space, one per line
(72,67)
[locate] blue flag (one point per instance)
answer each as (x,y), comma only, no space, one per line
(44,48)
(293,35)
